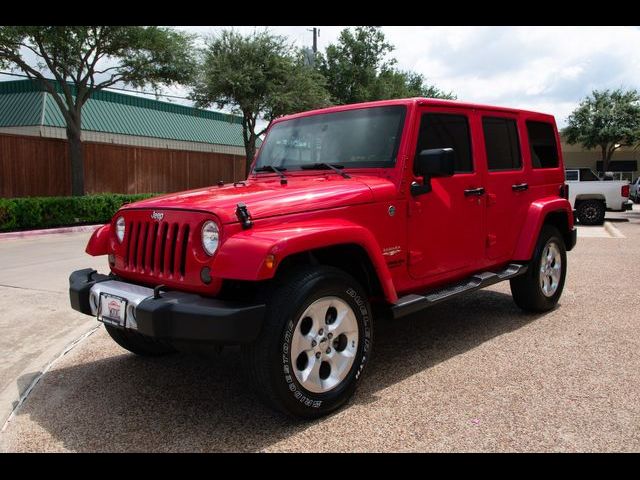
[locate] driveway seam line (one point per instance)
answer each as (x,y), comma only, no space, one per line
(30,289)
(34,382)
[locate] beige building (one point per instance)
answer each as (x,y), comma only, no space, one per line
(623,166)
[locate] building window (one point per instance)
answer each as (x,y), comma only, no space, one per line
(501,143)
(542,144)
(441,130)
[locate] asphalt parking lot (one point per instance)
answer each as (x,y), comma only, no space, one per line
(473,375)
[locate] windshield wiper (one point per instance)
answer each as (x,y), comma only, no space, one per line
(271,168)
(326,166)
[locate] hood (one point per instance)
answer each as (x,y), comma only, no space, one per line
(266,197)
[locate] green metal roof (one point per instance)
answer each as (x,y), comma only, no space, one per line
(26,103)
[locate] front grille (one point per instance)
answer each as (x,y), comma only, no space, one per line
(156,248)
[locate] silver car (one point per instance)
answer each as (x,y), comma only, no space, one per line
(634,190)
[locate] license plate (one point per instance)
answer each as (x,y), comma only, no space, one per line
(113,309)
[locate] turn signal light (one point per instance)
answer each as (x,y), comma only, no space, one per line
(270,261)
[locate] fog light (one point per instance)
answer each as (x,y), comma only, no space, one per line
(205,275)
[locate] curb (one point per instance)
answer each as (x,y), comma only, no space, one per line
(48,231)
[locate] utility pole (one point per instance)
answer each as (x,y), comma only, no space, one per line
(316,34)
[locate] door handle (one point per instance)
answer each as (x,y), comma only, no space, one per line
(474,191)
(520,187)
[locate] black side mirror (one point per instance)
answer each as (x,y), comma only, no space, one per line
(435,162)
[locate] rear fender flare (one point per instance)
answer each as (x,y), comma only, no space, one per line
(536,215)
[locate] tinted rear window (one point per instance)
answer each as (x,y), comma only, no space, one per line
(542,142)
(586,175)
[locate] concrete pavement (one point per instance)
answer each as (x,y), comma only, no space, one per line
(473,375)
(35,319)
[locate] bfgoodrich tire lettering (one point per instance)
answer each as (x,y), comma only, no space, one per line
(273,370)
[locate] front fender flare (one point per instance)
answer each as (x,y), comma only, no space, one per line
(242,256)
(99,242)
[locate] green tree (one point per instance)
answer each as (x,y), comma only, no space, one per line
(606,120)
(259,76)
(85,59)
(358,69)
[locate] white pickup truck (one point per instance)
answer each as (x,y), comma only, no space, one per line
(591,196)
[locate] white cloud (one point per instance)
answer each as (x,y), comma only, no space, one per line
(539,68)
(549,69)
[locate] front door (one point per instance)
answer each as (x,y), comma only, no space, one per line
(446,224)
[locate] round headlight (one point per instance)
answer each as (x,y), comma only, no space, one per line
(210,235)
(120,227)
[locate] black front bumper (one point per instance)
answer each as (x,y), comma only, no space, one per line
(179,316)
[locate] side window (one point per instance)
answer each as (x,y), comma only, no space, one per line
(542,144)
(442,130)
(571,175)
(586,175)
(502,145)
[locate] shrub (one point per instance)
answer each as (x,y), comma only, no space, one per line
(43,212)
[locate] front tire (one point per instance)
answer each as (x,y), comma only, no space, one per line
(137,343)
(540,287)
(315,343)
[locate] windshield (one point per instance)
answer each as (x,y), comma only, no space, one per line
(366,137)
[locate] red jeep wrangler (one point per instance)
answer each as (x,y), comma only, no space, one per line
(396,205)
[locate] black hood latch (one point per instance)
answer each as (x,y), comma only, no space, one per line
(244,216)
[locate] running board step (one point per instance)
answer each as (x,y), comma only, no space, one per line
(413,303)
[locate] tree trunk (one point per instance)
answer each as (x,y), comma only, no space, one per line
(76,158)
(605,158)
(250,152)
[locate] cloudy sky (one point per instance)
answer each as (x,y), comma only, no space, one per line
(539,68)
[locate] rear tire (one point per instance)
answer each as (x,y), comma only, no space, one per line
(540,287)
(591,212)
(139,344)
(315,342)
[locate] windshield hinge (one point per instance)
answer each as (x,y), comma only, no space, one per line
(244,216)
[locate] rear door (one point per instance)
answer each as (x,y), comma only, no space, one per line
(507,189)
